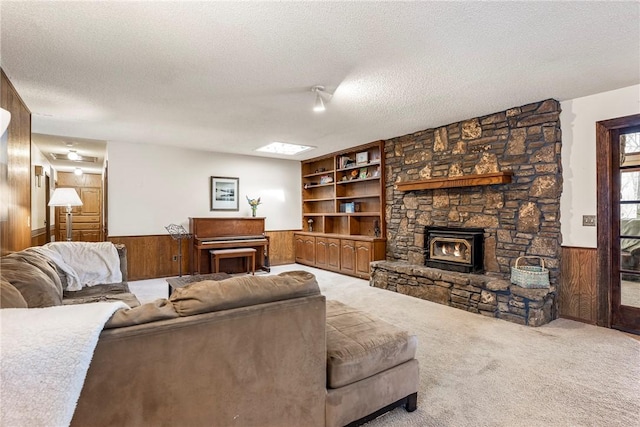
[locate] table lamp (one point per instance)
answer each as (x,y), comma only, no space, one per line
(66,197)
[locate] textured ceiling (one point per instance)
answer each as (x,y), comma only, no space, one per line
(231,77)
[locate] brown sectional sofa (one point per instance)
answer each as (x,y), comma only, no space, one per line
(246,351)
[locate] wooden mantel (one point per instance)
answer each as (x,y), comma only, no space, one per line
(457,181)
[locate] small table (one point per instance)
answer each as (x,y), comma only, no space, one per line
(179,282)
(249,254)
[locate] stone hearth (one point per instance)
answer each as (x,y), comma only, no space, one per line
(477,293)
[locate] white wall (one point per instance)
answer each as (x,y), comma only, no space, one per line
(153,186)
(578,121)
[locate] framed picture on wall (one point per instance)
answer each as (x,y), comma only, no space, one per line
(224,193)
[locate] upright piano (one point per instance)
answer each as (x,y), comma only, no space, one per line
(227,233)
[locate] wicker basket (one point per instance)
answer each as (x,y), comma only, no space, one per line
(530,276)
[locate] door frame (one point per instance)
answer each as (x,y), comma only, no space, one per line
(608,174)
(47,208)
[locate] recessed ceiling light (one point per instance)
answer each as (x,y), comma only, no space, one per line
(73,155)
(284,148)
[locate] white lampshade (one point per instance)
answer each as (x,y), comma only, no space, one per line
(65,197)
(5,118)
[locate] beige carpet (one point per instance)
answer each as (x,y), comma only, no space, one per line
(477,371)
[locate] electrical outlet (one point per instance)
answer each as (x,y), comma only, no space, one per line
(588,220)
(175,257)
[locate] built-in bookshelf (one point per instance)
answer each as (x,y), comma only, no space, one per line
(343,200)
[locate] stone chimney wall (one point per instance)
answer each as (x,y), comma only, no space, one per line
(519,218)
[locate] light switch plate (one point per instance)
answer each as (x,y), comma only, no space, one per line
(588,220)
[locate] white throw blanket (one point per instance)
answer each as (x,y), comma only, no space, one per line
(85,263)
(44,357)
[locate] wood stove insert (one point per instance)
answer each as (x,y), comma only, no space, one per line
(454,249)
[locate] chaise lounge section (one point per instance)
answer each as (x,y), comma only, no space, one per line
(371,366)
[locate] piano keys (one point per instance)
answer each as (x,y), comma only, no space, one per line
(227,233)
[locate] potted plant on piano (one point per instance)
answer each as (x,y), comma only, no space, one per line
(254,205)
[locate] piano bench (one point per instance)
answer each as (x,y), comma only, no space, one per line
(249,254)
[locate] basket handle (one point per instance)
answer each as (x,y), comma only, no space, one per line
(530,256)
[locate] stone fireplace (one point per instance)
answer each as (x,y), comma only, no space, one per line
(500,174)
(454,249)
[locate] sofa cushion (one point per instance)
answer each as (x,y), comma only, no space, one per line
(360,345)
(160,309)
(40,261)
(59,272)
(92,291)
(103,293)
(37,288)
(10,297)
(128,298)
(209,295)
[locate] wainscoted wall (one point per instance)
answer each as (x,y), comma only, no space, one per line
(577,297)
(39,236)
(151,257)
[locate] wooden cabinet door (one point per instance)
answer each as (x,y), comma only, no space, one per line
(321,252)
(363,258)
(333,249)
(309,252)
(91,201)
(299,249)
(347,256)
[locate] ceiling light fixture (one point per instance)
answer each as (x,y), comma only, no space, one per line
(65,156)
(73,155)
(318,106)
(78,171)
(284,148)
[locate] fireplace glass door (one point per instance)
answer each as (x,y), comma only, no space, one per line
(448,249)
(454,248)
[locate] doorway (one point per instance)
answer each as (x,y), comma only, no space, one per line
(618,172)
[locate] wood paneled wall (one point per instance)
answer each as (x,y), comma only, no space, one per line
(39,236)
(577,293)
(15,173)
(150,257)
